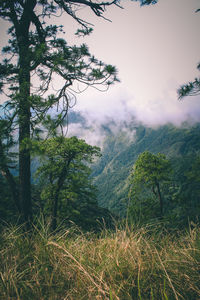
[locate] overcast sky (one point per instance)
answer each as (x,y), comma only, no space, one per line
(155,49)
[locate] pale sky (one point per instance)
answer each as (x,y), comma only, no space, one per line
(155,49)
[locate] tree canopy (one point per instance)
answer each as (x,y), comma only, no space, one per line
(35,54)
(151,170)
(64,172)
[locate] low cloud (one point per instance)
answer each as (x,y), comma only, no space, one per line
(118,111)
(93,135)
(166,110)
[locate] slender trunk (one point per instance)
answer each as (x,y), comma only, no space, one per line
(22,25)
(24,131)
(54,212)
(158,193)
(59,186)
(55,200)
(160,199)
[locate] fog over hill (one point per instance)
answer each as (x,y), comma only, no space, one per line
(119,115)
(123,136)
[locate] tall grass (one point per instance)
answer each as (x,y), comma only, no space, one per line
(126,264)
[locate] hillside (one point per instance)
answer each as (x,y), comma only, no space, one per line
(121,145)
(121,150)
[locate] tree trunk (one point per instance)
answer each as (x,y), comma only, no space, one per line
(24,131)
(54,213)
(60,183)
(160,199)
(21,25)
(59,186)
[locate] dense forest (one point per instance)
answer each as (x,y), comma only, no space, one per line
(181,147)
(78,221)
(103,188)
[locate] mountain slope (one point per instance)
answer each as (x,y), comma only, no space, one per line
(120,152)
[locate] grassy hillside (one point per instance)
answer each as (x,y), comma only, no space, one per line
(120,152)
(145,263)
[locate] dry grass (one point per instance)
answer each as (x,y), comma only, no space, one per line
(121,265)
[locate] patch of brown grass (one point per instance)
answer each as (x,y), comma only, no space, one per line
(120,265)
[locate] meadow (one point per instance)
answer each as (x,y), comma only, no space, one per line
(122,264)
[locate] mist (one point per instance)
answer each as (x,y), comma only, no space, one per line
(155,49)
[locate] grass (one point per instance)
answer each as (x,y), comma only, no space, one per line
(145,263)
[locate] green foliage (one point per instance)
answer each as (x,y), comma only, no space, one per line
(9,200)
(47,55)
(149,169)
(146,2)
(36,54)
(150,174)
(185,196)
(194,174)
(7,204)
(191,88)
(7,155)
(64,176)
(120,152)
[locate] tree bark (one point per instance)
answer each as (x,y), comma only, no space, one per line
(24,137)
(24,115)
(22,26)
(160,199)
(158,193)
(59,186)
(60,183)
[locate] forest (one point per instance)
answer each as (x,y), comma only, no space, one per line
(79,221)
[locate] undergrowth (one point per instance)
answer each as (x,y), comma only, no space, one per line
(145,263)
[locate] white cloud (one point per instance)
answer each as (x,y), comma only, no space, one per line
(155,49)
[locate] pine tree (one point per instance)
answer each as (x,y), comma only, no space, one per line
(36,53)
